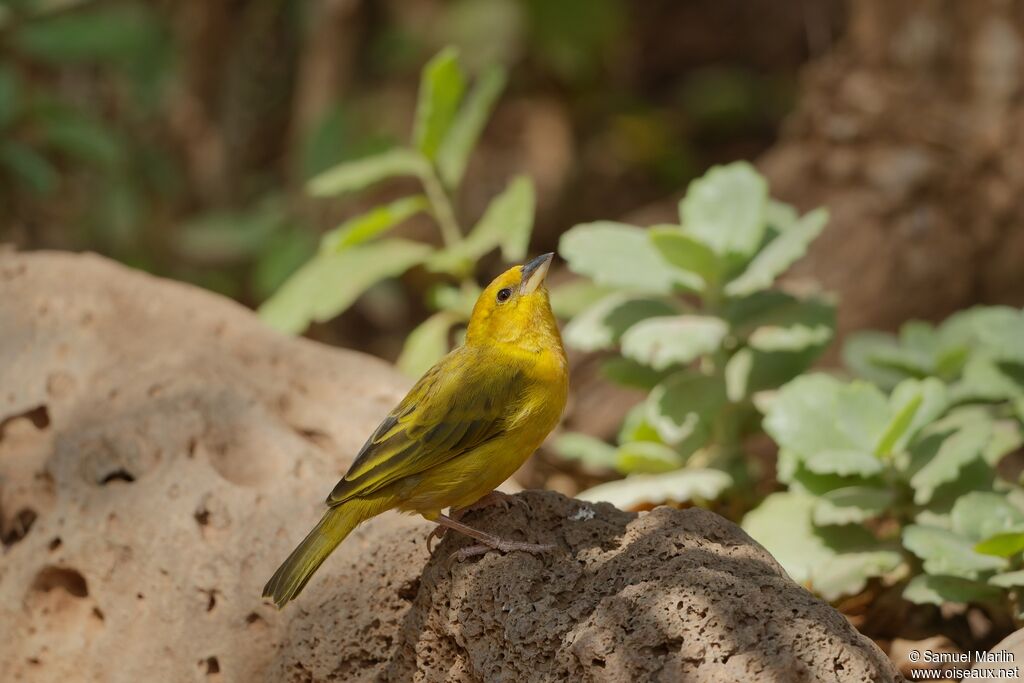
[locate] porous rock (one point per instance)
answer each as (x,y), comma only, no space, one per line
(161,451)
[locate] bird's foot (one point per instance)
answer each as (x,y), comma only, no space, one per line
(495,497)
(500,545)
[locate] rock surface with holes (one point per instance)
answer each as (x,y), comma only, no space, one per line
(161,452)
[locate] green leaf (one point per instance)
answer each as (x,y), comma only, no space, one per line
(774,310)
(848,573)
(860,352)
(458,300)
(507,223)
(509,219)
(679,486)
(981,514)
(227,236)
(1000,330)
(684,404)
(355,175)
(647,457)
(28,166)
(956,451)
(923,400)
(365,227)
(815,413)
(782,524)
(620,255)
(112,34)
(570,299)
(668,340)
(843,463)
(82,138)
(984,379)
(629,373)
(635,426)
(851,504)
(943,552)
(1009,579)
(602,325)
(939,590)
(724,209)
(779,255)
(426,344)
(468,124)
(591,451)
(1001,545)
(686,253)
(770,338)
(330,283)
(441,86)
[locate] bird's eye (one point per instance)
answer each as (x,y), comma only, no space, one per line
(504,294)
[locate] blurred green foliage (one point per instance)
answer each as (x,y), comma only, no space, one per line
(356,255)
(698,324)
(920,486)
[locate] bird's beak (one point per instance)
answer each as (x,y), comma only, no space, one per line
(534,273)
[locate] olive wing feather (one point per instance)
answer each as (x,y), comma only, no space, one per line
(459,404)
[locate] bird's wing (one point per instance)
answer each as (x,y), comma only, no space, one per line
(460,403)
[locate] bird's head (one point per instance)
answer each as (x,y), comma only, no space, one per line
(514,308)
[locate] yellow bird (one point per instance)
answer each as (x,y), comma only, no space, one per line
(462,430)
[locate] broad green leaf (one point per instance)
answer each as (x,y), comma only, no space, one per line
(620,255)
(220,237)
(82,138)
(355,175)
(468,124)
(904,410)
(570,299)
(737,375)
(283,254)
(635,426)
(679,486)
(779,255)
(114,34)
(647,457)
(780,216)
(956,451)
(426,344)
(591,451)
(459,300)
(441,86)
(931,401)
(939,590)
(507,223)
(668,340)
(860,351)
(330,283)
(980,515)
(1000,330)
(852,504)
(946,553)
(782,524)
(29,167)
(629,373)
(843,463)
(848,573)
(724,209)
(1009,579)
(984,379)
(683,404)
(686,253)
(775,310)
(602,325)
(1001,545)
(1006,438)
(365,227)
(770,338)
(816,413)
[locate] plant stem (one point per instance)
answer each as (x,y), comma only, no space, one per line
(442,206)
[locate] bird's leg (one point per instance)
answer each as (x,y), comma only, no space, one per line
(488,541)
(495,497)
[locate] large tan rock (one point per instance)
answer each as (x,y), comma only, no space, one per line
(161,452)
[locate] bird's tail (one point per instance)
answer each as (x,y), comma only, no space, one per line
(337,523)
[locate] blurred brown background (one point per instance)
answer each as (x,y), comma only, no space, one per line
(176,136)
